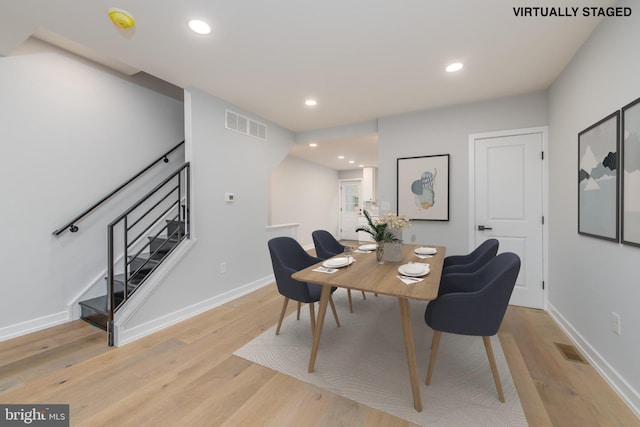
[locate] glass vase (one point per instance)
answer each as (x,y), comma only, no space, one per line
(380,252)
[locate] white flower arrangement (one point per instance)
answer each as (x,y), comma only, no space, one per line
(393,221)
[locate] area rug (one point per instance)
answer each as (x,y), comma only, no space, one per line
(364,360)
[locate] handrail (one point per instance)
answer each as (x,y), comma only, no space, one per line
(71,224)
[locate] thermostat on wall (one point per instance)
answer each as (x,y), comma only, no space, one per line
(228,197)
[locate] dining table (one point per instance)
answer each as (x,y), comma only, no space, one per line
(366,274)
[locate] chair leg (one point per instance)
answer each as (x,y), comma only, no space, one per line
(494,368)
(284,308)
(312,314)
(363,295)
(435,343)
(299,305)
(333,308)
(349,298)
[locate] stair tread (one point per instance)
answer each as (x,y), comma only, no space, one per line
(97,303)
(172,239)
(133,282)
(143,265)
(144,257)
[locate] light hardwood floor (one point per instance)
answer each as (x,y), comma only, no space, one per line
(186,375)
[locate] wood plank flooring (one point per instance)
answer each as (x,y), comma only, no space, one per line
(186,375)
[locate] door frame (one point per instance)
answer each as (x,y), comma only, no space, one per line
(340,182)
(544,130)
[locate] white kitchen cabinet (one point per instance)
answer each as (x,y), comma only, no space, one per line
(369,184)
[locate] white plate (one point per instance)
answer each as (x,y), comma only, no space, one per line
(403,269)
(367,248)
(337,262)
(425,251)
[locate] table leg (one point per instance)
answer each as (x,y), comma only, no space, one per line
(411,352)
(322,311)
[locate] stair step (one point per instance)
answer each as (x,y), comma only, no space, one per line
(142,263)
(134,281)
(172,228)
(160,246)
(95,310)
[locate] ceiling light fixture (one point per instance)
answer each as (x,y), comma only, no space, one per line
(456,66)
(351,162)
(199,27)
(311,102)
(341,157)
(313,145)
(121,18)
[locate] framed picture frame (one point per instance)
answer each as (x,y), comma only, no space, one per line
(423,187)
(598,184)
(630,174)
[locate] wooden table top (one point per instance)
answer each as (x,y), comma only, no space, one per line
(365,274)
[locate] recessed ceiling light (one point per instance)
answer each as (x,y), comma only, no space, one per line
(199,27)
(456,66)
(351,162)
(341,157)
(313,145)
(310,102)
(360,166)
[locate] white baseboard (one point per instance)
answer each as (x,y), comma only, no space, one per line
(626,392)
(34,325)
(125,336)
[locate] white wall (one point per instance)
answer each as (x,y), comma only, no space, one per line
(446,131)
(307,194)
(590,278)
(71,132)
(231,233)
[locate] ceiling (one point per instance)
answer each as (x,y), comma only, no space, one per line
(361,150)
(360,59)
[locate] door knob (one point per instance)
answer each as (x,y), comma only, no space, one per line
(483,228)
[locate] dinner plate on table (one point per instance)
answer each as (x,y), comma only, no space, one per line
(413,269)
(371,247)
(338,262)
(425,251)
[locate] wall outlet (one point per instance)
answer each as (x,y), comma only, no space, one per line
(223,267)
(615,323)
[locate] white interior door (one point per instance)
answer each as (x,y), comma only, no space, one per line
(349,209)
(509,206)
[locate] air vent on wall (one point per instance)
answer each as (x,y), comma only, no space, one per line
(239,123)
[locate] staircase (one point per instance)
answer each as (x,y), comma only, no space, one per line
(138,268)
(139,240)
(150,230)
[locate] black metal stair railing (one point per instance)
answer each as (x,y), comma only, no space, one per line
(143,236)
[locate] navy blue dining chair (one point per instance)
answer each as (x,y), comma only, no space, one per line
(288,257)
(326,247)
(474,305)
(472,261)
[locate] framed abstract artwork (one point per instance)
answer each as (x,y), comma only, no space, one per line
(423,187)
(630,173)
(598,179)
